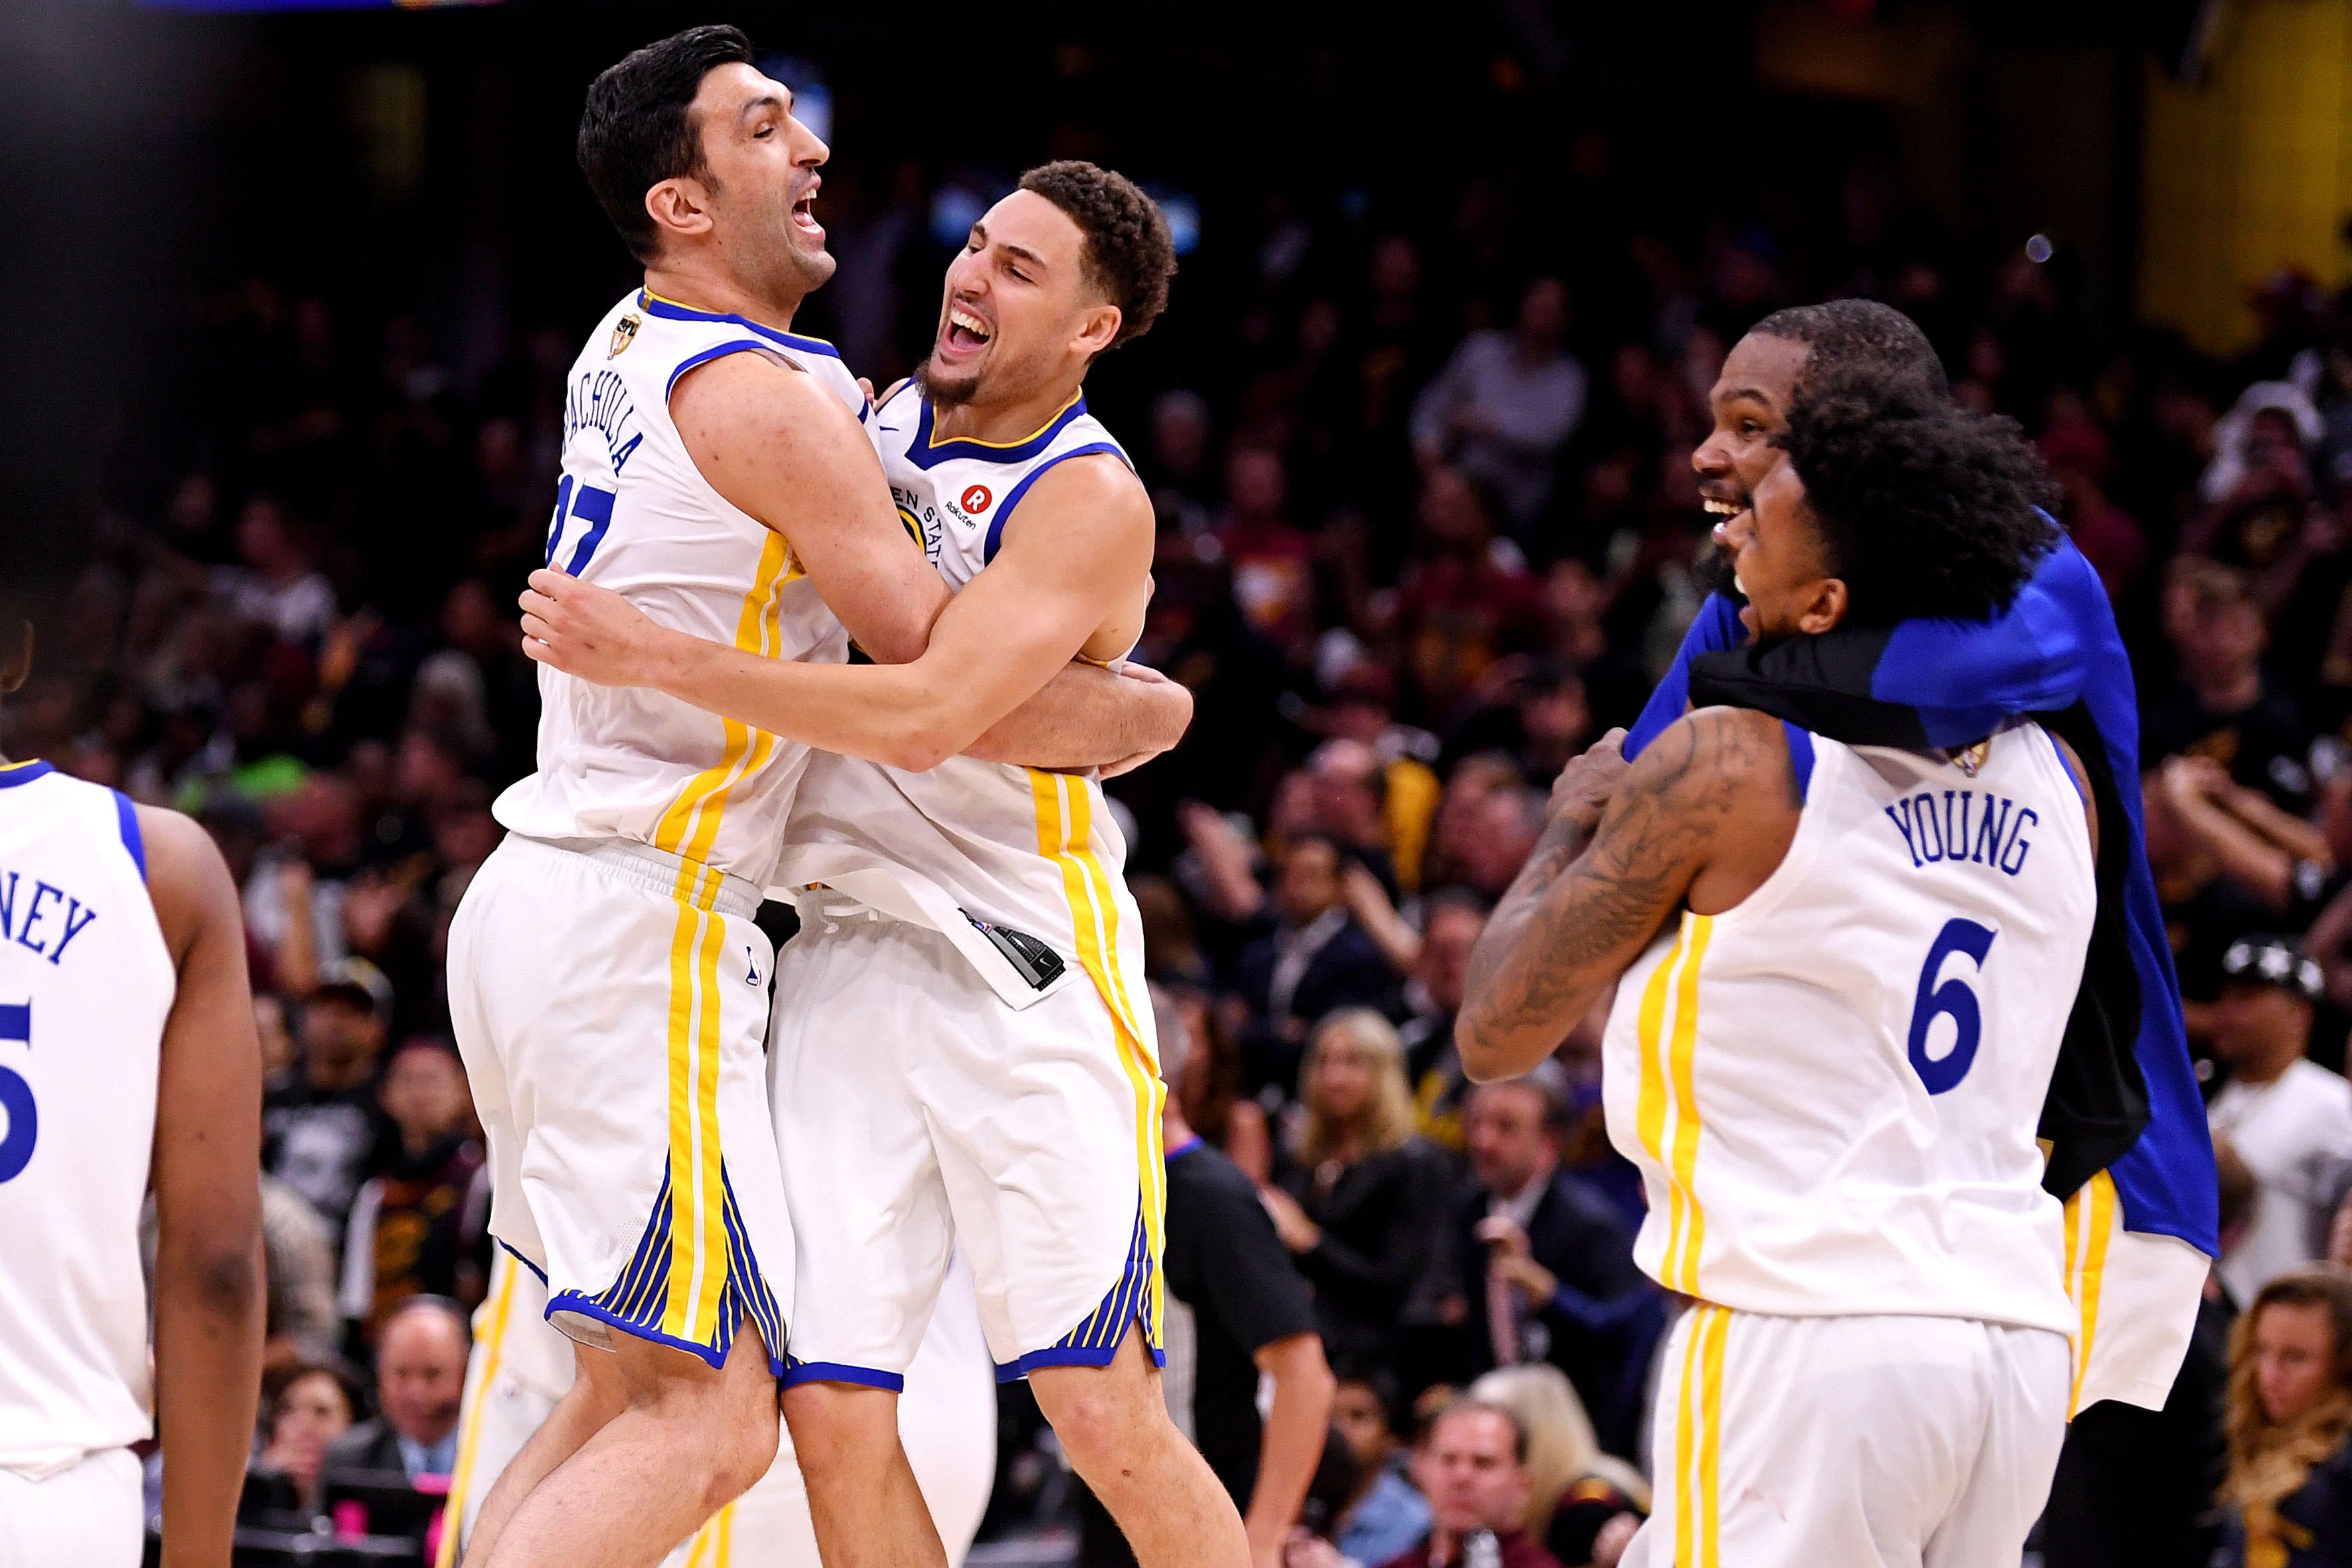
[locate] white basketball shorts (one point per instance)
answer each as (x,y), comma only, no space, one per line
(1866,1442)
(916,1113)
(947,1421)
(90,1515)
(611,1003)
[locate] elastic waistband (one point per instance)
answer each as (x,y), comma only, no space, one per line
(658,871)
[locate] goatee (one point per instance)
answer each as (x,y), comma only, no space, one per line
(943,393)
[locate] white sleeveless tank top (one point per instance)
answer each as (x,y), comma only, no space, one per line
(1832,1090)
(634,514)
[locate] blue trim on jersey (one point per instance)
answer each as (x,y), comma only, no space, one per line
(2067,768)
(671,311)
(1800,757)
(799,1372)
(734,346)
(2056,646)
(518,1258)
(1004,511)
(1095,1342)
(1060,1355)
(16,774)
(126,817)
(924,454)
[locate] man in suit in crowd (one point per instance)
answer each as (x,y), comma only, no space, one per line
(420,1374)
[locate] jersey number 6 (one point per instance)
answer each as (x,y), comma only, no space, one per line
(1954,999)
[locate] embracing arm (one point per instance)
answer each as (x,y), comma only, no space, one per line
(209,1298)
(1088,717)
(1082,550)
(1624,847)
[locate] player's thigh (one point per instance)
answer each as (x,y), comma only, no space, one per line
(2029,1382)
(853,1004)
(1790,1442)
(90,1516)
(1047,1126)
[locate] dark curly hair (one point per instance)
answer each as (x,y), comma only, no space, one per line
(635,133)
(1862,336)
(1127,255)
(1925,510)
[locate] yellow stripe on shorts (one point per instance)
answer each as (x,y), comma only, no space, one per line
(503,1269)
(2091,1210)
(697,1274)
(1065,834)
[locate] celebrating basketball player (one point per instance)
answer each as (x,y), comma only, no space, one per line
(971,931)
(127,1063)
(608,986)
(1833,1034)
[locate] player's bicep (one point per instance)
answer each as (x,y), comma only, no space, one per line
(781,449)
(208,1118)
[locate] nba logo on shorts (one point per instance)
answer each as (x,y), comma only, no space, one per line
(976,498)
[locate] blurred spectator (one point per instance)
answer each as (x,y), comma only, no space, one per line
(277,584)
(1472,1468)
(324,1134)
(1382,1515)
(420,1374)
(1543,1271)
(2223,704)
(1506,403)
(298,1266)
(313,1409)
(419,1228)
(2205,913)
(1451,921)
(1272,571)
(1465,600)
(2288,1116)
(1360,1197)
(1239,1321)
(2290,1481)
(1312,956)
(1583,1504)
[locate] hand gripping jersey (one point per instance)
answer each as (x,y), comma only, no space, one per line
(1009,846)
(86,984)
(634,514)
(1831,1088)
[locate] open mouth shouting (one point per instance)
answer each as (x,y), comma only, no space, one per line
(964,333)
(804,214)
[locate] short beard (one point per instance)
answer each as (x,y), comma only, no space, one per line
(943,394)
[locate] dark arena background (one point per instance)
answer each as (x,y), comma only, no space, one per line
(290,295)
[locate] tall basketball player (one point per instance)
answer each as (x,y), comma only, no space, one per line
(127,1063)
(608,986)
(1832,1035)
(972,930)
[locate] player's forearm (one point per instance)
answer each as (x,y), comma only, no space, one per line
(208,1333)
(903,715)
(1086,717)
(1492,1029)
(1291,1446)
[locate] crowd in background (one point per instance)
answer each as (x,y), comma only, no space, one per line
(1425,532)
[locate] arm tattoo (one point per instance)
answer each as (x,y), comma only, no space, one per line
(1581,910)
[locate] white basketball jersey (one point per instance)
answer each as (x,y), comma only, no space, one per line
(1023,847)
(634,514)
(1832,1090)
(86,984)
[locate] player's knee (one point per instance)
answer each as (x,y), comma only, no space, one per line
(742,1451)
(1103,1423)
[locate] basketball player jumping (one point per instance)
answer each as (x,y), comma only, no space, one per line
(607,984)
(127,1063)
(1834,1031)
(972,931)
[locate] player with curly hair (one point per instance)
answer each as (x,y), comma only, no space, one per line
(1840,975)
(963,1052)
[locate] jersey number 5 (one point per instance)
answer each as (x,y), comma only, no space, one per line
(16,1096)
(593,507)
(1954,999)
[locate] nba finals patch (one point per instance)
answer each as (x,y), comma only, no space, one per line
(625,332)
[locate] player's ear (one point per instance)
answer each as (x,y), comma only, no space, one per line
(679,205)
(1098,327)
(1824,609)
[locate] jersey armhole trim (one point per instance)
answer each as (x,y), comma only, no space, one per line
(127,817)
(1004,512)
(1801,757)
(2066,767)
(734,346)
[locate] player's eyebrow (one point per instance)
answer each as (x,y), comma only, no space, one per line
(1754,394)
(1027,255)
(767,101)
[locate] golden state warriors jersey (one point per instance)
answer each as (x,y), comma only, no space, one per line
(86,984)
(634,514)
(1012,845)
(1832,1090)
